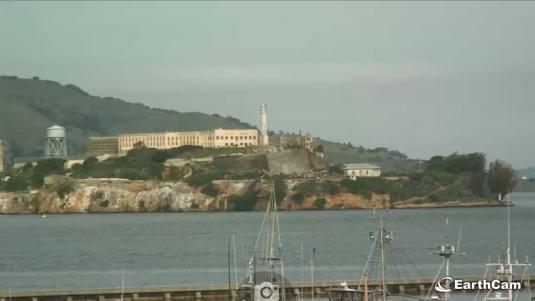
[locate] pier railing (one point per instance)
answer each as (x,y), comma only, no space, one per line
(211,292)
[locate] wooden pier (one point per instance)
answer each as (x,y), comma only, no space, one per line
(415,286)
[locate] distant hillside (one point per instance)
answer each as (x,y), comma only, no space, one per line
(29,106)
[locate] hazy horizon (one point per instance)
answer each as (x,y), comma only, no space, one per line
(424,78)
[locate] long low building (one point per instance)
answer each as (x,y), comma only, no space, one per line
(361,170)
(217,138)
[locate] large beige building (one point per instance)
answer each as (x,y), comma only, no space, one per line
(165,140)
(217,138)
(235,138)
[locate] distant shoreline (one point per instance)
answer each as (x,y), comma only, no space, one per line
(445,205)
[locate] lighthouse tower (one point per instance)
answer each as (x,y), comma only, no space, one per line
(264,138)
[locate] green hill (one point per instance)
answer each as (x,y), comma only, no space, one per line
(29,106)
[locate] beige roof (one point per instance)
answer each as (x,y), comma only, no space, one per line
(360,166)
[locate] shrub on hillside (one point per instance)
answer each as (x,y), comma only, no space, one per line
(49,166)
(88,162)
(298,197)
(320,203)
(310,188)
(246,202)
(280,188)
(65,188)
(329,187)
(442,177)
(16,183)
(357,187)
(416,176)
(306,188)
(37,180)
(398,190)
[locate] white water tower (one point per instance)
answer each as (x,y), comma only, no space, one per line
(56,142)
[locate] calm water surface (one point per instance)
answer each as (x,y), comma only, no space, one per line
(69,251)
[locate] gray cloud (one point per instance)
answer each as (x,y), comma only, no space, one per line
(422,77)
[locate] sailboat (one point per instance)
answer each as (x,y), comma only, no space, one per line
(446,250)
(505,270)
(380,238)
(265,279)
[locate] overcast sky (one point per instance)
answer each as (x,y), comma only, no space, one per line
(425,78)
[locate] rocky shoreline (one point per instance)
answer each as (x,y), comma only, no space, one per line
(63,195)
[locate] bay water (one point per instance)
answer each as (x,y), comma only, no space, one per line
(155,249)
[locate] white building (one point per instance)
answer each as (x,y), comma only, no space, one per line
(361,170)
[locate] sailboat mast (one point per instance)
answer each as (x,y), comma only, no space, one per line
(365,286)
(281,250)
(235,263)
(447,294)
(381,237)
(122,285)
(229,277)
(254,274)
(272,228)
(509,266)
(312,272)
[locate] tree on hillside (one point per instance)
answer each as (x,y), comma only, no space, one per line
(436,163)
(472,163)
(280,188)
(16,183)
(458,163)
(501,178)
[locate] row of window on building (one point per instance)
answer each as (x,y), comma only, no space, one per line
(237,137)
(217,138)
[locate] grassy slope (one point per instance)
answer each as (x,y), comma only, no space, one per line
(30,106)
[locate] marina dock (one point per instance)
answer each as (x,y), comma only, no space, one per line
(415,286)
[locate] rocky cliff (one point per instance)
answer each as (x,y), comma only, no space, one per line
(111,195)
(64,195)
